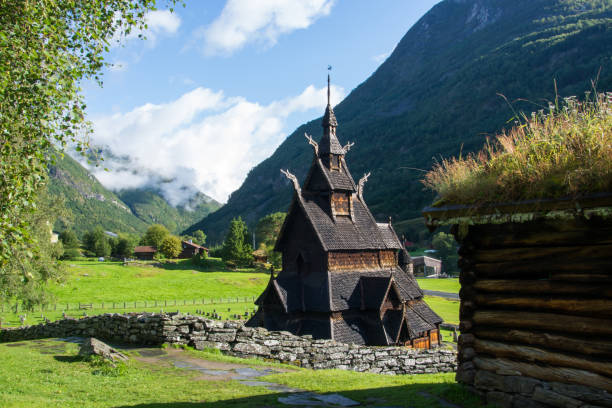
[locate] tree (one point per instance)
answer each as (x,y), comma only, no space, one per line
(447,250)
(102,247)
(46,48)
(199,237)
(236,247)
(268,228)
(124,246)
(69,239)
(94,240)
(155,235)
(171,246)
(24,276)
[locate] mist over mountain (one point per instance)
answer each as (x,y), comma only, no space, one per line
(439,94)
(93,205)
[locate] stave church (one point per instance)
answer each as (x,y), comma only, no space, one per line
(344,276)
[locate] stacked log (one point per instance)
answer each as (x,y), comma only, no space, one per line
(536,312)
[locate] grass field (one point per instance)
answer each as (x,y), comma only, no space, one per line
(443,285)
(111,281)
(447,309)
(48,373)
(113,288)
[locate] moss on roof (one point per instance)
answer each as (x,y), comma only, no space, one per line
(563,151)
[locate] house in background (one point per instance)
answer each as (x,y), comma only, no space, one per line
(426,266)
(190,249)
(144,252)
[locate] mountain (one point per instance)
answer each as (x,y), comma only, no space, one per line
(150,206)
(128,211)
(438,95)
(90,203)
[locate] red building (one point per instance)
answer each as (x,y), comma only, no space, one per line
(190,249)
(144,252)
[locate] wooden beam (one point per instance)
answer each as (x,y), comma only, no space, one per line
(546,373)
(537,253)
(542,321)
(585,345)
(546,268)
(591,307)
(543,287)
(538,355)
(553,233)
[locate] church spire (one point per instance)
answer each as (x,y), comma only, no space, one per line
(329,142)
(328,93)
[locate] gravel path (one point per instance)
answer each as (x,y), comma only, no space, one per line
(445,295)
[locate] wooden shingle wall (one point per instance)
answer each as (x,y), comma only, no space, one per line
(361,260)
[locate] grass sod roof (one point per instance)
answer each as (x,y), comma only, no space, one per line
(556,162)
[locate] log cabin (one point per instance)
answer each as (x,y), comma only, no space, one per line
(536,300)
(344,276)
(190,249)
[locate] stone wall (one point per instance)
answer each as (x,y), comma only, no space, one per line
(233,338)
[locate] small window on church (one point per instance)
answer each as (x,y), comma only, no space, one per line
(335,162)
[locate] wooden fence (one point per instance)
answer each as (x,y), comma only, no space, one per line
(132,304)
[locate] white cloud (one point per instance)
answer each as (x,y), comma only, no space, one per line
(159,23)
(380,58)
(163,21)
(202,141)
(261,21)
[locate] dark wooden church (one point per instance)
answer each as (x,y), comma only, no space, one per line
(345,276)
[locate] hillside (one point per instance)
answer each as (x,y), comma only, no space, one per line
(150,206)
(90,203)
(129,211)
(438,95)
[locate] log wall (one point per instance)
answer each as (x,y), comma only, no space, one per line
(536,312)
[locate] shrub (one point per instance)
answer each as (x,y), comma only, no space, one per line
(565,151)
(171,246)
(71,254)
(102,366)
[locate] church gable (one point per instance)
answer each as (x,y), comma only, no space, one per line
(317,180)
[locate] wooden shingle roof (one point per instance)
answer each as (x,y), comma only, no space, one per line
(360,232)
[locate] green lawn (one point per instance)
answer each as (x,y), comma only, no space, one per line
(111,281)
(443,285)
(49,374)
(447,309)
(113,288)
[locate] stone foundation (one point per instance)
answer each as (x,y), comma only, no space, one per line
(233,338)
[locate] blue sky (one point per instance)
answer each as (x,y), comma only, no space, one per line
(219,84)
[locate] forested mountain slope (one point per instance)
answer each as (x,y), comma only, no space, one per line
(128,211)
(89,202)
(438,95)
